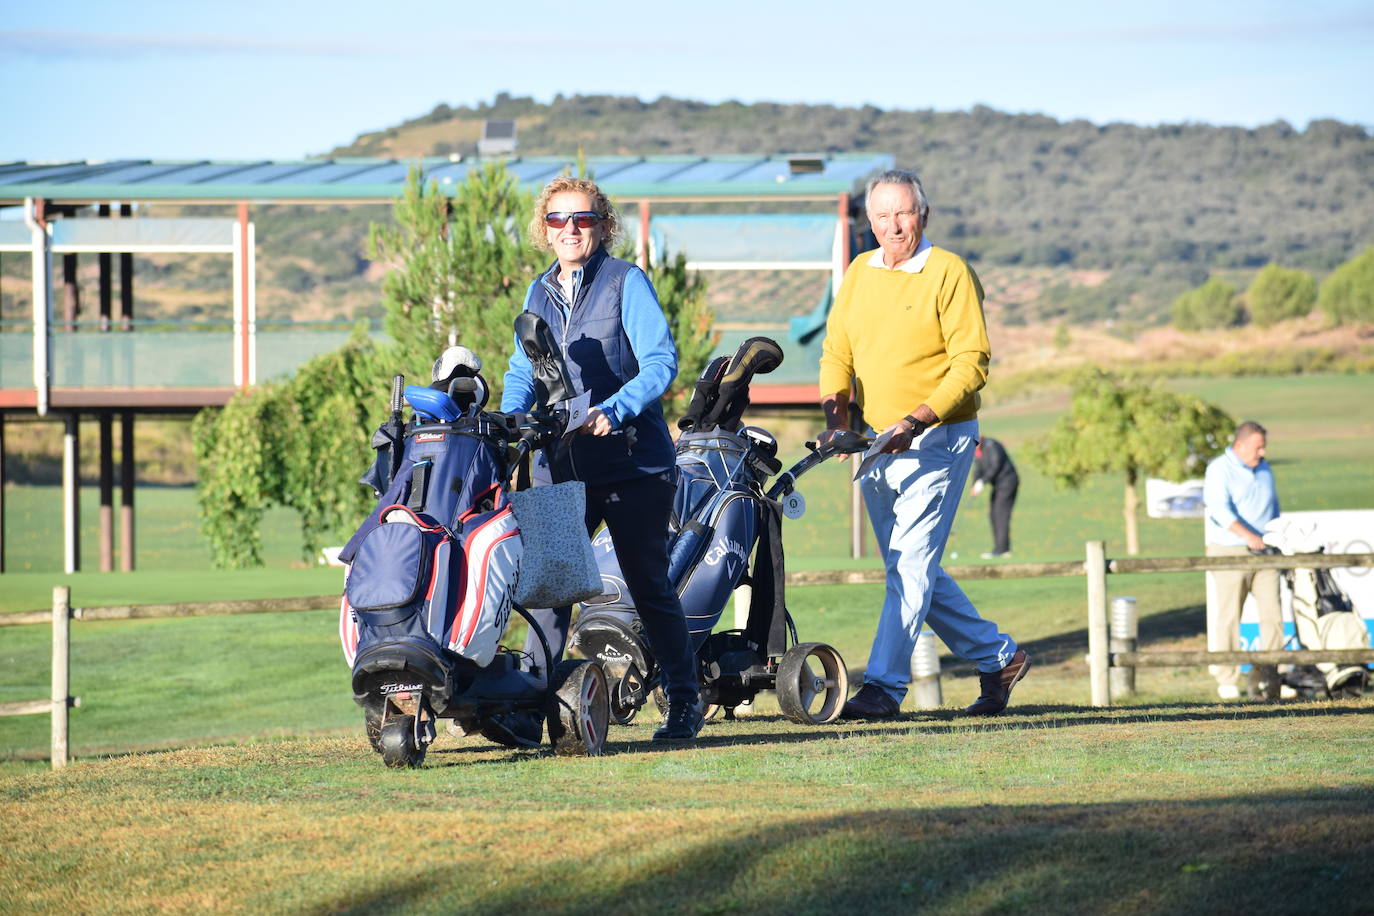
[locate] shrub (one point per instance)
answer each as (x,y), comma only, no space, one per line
(1278,293)
(1211,305)
(1348,294)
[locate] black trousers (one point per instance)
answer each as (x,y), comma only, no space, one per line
(999,511)
(636,512)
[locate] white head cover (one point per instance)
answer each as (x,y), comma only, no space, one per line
(454,358)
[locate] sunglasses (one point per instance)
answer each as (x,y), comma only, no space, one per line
(582,219)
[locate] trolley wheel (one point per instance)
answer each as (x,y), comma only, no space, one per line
(621,712)
(579,711)
(812,683)
(399,748)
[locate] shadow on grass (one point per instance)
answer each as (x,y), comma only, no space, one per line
(1299,851)
(1178,623)
(776,729)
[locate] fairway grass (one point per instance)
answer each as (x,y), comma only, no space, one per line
(220,764)
(1173,808)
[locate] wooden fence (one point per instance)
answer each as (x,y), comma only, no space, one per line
(1095,568)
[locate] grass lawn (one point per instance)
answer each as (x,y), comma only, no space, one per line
(220,764)
(1167,808)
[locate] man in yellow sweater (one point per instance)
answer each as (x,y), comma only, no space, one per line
(907,328)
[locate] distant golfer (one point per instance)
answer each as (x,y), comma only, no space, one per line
(992,465)
(1239,498)
(907,330)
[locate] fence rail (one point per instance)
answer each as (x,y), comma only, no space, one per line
(1110,656)
(1103,654)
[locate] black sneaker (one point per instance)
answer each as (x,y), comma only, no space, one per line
(682,722)
(515,729)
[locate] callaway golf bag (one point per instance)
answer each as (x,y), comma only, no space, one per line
(722,515)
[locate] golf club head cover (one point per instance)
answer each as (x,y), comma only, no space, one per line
(755,356)
(455,362)
(704,396)
(551,383)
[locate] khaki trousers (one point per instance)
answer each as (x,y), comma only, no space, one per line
(1230,588)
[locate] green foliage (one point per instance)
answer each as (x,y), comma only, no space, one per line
(1126,426)
(1062,338)
(460,267)
(299,443)
(460,270)
(1348,294)
(1278,293)
(1009,188)
(682,294)
(1211,305)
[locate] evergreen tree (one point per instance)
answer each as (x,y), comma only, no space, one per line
(1211,305)
(1348,294)
(1278,293)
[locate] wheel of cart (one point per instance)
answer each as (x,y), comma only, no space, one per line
(812,683)
(403,743)
(579,709)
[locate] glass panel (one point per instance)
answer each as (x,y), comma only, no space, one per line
(136,359)
(281,351)
(16,358)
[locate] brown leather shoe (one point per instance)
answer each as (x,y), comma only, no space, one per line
(997,686)
(870,702)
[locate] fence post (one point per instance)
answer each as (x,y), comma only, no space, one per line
(1125,628)
(925,672)
(61,672)
(1096,569)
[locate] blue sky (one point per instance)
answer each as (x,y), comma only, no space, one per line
(154,79)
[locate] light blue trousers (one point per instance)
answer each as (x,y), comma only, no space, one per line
(911,498)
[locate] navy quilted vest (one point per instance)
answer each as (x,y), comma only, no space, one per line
(600,360)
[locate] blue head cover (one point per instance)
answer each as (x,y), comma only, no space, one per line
(431,404)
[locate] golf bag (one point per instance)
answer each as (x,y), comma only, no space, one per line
(1324,617)
(436,562)
(433,574)
(721,516)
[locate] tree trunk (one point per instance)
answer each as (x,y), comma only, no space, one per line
(1129,511)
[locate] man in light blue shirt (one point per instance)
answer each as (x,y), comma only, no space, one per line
(1239,496)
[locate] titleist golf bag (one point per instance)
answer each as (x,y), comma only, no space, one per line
(721,516)
(433,572)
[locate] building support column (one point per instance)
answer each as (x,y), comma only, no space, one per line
(106,278)
(71,292)
(106,492)
(642,248)
(126,280)
(2,493)
(126,493)
(42,301)
(71,494)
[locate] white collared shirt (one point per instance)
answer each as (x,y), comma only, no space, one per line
(911,265)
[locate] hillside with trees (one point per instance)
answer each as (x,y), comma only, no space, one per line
(1006,189)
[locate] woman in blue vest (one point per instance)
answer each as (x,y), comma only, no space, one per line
(617,345)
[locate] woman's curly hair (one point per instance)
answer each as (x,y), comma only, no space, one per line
(610,225)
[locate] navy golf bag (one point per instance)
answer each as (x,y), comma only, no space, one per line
(722,516)
(432,575)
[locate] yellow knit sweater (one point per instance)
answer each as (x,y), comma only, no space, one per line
(908,339)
